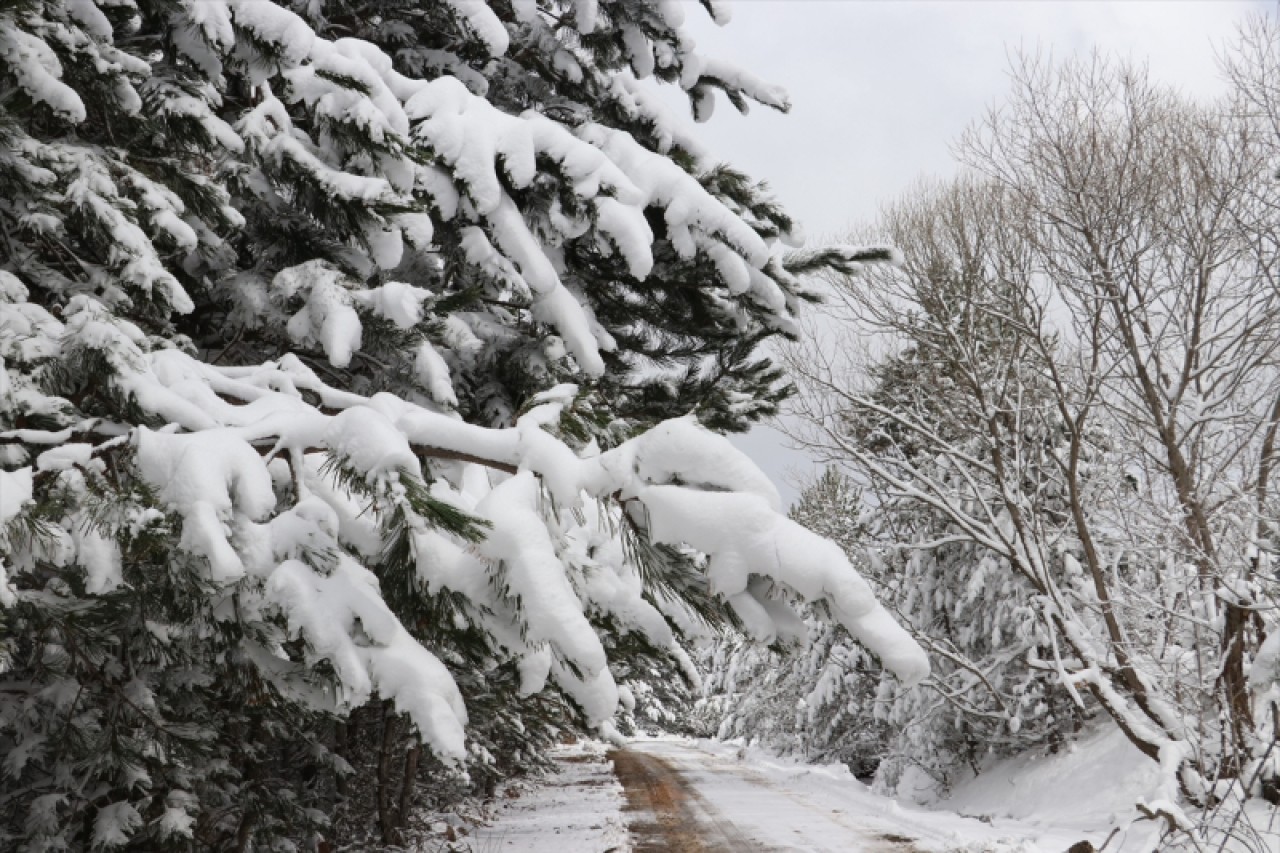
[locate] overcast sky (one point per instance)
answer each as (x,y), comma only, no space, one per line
(881,89)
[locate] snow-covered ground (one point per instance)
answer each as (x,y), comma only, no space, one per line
(1090,786)
(714,796)
(787,805)
(577,810)
(745,796)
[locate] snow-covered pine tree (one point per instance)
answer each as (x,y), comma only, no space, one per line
(353,372)
(990,694)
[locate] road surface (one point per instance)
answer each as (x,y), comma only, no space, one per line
(685,799)
(681,796)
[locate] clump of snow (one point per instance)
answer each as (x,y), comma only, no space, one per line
(115,824)
(275,25)
(484,23)
(745,82)
(344,620)
(395,301)
(369,443)
(535,575)
(64,456)
(100,557)
(433,372)
(473,137)
(15,492)
(687,206)
(37,72)
(681,450)
(613,586)
(209,478)
(746,536)
(328,317)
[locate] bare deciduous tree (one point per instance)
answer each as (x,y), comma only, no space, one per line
(1094,323)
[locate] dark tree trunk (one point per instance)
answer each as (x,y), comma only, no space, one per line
(409,782)
(386,815)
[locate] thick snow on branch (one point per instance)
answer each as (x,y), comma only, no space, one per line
(479,152)
(294,498)
(538,574)
(687,206)
(695,487)
(536,577)
(38,72)
(336,612)
(746,537)
(211,478)
(484,24)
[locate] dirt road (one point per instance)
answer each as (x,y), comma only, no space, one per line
(685,796)
(679,800)
(668,815)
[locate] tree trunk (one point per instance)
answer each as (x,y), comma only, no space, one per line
(386,816)
(341,741)
(408,783)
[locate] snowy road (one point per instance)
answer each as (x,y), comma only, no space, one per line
(758,804)
(667,812)
(681,796)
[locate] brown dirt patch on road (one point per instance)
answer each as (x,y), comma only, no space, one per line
(667,815)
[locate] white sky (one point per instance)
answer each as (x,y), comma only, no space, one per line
(881,89)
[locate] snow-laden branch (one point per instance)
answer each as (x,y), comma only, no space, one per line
(695,490)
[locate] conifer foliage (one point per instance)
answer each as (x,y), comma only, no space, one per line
(360,371)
